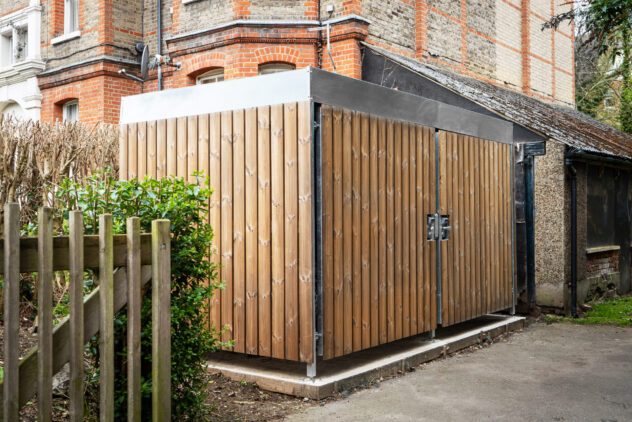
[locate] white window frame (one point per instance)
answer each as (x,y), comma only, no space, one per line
(66,109)
(7,53)
(269,68)
(212,76)
(71,16)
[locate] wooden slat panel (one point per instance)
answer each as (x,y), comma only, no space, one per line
(356,231)
(509,238)
(459,243)
(468,238)
(172,152)
(123,152)
(405,169)
(397,197)
(328,231)
(250,204)
(347,233)
(412,200)
(365,240)
(495,209)
(226,272)
(181,148)
(192,148)
(142,150)
(476,224)
(338,281)
(373,266)
(305,245)
(486,219)
(291,231)
(161,149)
(215,204)
(390,231)
(277,231)
(443,194)
(382,219)
(203,166)
(132,151)
(151,149)
(423,209)
(264,225)
(429,252)
(239,229)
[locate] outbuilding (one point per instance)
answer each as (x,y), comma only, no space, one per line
(346,214)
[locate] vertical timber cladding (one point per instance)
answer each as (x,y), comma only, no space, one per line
(378,183)
(260,168)
(476,261)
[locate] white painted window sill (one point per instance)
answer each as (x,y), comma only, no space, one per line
(66,37)
(189,1)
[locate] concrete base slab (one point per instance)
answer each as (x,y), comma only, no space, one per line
(362,367)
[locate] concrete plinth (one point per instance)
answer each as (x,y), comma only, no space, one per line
(362,367)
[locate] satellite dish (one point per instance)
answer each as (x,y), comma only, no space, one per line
(144,64)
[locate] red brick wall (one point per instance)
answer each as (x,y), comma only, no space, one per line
(98,89)
(602,263)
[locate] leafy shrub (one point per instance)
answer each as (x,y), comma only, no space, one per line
(193,280)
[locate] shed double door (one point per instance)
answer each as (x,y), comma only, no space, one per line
(390,270)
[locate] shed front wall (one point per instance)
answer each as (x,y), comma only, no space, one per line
(260,167)
(379,184)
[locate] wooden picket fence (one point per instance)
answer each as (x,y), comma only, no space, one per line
(125,263)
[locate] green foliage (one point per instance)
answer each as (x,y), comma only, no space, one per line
(613,312)
(194,276)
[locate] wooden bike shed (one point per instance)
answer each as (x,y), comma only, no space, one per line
(346,215)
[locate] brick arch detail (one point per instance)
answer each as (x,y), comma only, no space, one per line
(203,62)
(69,93)
(276,54)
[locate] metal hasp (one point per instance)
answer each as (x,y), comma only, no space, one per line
(438,227)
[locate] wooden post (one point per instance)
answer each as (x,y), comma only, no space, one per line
(106,326)
(133,320)
(76,257)
(11,311)
(161,320)
(45,315)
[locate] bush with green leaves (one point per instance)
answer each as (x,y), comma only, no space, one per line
(194,276)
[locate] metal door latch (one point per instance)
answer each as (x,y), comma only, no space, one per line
(438,227)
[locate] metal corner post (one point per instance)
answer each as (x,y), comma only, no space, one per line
(317,251)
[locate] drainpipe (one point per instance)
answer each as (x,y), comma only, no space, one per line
(573,284)
(319,47)
(530,228)
(159,36)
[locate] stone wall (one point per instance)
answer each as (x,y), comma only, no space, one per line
(551,226)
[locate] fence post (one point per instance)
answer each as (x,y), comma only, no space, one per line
(75,254)
(11,388)
(133,320)
(45,315)
(106,331)
(161,320)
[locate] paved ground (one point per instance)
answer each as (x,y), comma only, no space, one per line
(558,372)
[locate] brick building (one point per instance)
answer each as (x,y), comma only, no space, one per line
(83,44)
(61,59)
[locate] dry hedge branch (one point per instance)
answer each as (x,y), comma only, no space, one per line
(35,157)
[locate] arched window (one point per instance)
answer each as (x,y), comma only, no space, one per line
(13,109)
(268,68)
(215,75)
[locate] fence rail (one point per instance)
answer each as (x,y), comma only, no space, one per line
(125,264)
